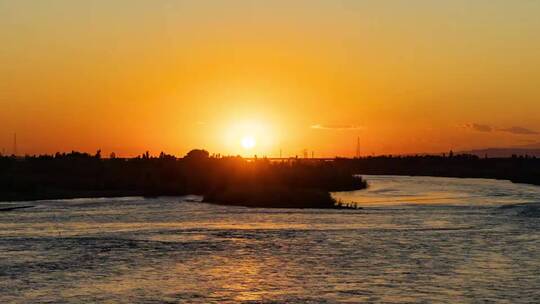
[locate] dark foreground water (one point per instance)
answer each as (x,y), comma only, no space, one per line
(421,240)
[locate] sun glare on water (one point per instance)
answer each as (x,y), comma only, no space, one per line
(248,142)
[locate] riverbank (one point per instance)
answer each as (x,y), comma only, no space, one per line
(275,197)
(50,194)
(522,169)
(261,198)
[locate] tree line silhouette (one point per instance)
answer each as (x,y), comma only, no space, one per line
(260,182)
(226,180)
(519,169)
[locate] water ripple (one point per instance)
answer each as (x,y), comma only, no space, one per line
(464,249)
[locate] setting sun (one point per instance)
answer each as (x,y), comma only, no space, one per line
(248,142)
(324,151)
(255,135)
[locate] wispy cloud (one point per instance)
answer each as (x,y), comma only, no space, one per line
(487,128)
(519,130)
(478,127)
(336,127)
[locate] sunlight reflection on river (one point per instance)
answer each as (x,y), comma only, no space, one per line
(418,239)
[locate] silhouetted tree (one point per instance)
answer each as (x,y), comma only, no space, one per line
(197,154)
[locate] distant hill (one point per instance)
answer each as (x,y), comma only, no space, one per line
(505,152)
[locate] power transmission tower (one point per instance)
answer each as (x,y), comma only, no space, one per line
(15,144)
(358,147)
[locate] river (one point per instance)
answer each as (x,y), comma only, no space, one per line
(417,239)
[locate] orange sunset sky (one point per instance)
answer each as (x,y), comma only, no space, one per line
(405,76)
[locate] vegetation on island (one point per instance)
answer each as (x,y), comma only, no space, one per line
(293,183)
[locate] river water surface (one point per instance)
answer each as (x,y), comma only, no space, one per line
(417,240)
